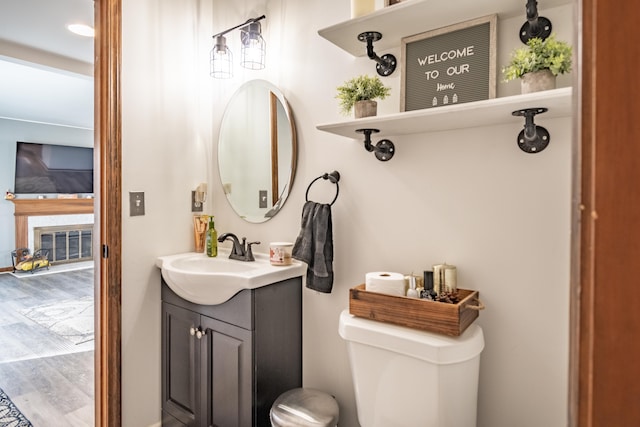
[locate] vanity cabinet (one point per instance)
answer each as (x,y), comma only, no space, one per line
(224,365)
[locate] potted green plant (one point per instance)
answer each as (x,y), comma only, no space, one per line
(539,63)
(359,94)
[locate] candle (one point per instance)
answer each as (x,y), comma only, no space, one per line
(450,278)
(361,7)
(438,278)
(444,278)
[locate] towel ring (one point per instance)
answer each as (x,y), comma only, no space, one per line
(334,177)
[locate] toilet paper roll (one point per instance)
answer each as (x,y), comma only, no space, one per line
(385,283)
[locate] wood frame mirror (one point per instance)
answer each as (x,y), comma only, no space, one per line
(257,133)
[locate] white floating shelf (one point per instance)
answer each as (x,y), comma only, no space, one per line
(416,16)
(490,112)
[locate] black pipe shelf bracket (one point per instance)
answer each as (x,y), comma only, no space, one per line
(383,150)
(536,26)
(385,65)
(532,139)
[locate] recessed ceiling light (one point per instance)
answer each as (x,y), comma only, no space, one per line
(81,29)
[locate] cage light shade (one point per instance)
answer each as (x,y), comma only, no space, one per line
(253,47)
(221,60)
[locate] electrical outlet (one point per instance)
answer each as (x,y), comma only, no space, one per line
(262,201)
(194,207)
(136,203)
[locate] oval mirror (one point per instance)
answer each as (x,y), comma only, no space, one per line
(257,151)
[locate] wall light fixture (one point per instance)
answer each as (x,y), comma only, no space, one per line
(252,54)
(200,195)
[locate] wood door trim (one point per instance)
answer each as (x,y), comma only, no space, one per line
(108,210)
(605,328)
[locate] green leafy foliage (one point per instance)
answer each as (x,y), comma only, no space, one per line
(539,55)
(360,88)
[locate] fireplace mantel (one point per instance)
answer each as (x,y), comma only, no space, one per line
(24,208)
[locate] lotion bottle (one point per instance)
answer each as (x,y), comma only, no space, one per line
(212,239)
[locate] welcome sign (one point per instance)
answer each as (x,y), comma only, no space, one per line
(451,65)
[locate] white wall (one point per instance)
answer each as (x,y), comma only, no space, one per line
(469,197)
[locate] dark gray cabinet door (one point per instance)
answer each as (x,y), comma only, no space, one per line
(248,353)
(180,360)
(227,380)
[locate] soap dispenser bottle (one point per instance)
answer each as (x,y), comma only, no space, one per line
(212,239)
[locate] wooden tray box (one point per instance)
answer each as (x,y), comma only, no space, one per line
(443,318)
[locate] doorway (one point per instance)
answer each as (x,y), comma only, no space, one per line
(598,322)
(44,352)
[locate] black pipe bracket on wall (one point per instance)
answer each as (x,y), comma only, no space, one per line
(385,65)
(383,150)
(532,139)
(536,26)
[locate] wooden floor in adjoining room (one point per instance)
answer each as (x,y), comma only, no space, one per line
(48,374)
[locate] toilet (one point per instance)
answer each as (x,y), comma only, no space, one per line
(410,378)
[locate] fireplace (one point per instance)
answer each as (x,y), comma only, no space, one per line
(75,216)
(65,243)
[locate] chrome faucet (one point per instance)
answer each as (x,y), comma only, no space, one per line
(239,251)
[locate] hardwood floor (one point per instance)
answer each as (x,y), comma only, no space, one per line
(47,374)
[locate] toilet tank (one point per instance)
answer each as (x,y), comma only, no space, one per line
(410,378)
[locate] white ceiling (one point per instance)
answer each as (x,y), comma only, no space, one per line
(45,70)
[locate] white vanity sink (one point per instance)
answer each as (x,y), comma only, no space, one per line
(209,281)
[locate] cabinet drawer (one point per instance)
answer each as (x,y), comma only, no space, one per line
(236,311)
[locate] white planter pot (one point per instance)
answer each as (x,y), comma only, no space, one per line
(365,109)
(538,81)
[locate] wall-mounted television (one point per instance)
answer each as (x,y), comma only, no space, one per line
(50,168)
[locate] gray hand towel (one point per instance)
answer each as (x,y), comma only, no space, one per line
(314,246)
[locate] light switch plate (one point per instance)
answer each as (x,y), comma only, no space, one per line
(262,199)
(136,203)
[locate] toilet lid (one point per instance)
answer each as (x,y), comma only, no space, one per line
(304,407)
(428,346)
